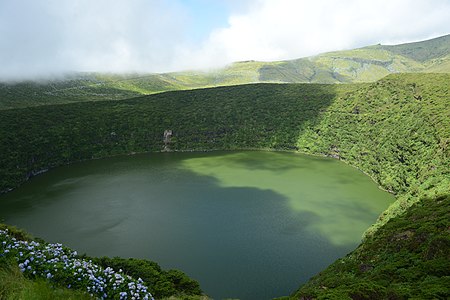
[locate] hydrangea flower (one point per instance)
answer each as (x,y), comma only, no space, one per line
(62,265)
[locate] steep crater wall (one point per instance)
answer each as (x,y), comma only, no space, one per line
(35,139)
(397,130)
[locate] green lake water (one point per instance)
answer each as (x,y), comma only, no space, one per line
(248,225)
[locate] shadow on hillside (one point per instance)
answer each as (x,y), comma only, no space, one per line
(247,116)
(254,116)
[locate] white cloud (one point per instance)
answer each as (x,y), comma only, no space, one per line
(44,37)
(287,29)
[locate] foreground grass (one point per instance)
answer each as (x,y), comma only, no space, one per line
(15,286)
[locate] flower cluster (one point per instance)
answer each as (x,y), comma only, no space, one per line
(63,266)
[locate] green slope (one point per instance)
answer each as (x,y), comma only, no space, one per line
(421,51)
(438,65)
(358,65)
(75,88)
(397,130)
(14,285)
(366,64)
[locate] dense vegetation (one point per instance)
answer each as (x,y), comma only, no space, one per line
(254,116)
(68,90)
(30,266)
(161,283)
(358,65)
(397,130)
(408,258)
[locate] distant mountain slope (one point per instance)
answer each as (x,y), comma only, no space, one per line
(421,51)
(366,64)
(359,65)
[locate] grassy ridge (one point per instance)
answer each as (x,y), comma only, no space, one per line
(366,64)
(396,130)
(421,51)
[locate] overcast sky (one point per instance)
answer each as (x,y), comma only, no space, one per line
(50,37)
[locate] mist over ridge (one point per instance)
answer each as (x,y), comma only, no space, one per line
(45,39)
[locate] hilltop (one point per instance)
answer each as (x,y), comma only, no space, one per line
(366,64)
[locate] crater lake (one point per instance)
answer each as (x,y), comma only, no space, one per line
(245,224)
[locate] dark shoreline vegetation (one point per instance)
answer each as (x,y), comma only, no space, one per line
(396,130)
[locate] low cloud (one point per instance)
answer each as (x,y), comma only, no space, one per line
(44,38)
(288,29)
(50,37)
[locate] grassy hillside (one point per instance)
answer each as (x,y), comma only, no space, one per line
(75,88)
(14,285)
(359,65)
(396,130)
(421,51)
(438,65)
(366,64)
